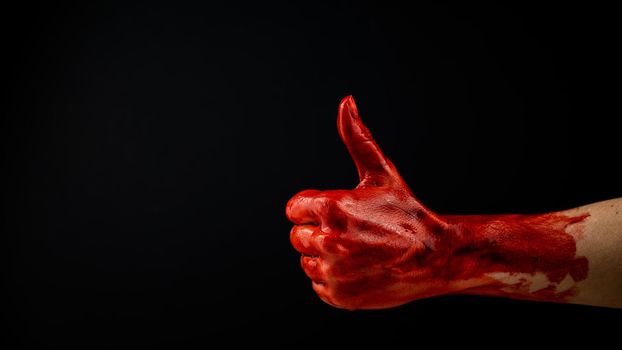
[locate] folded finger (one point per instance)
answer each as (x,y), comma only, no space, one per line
(306,239)
(313,268)
(301,208)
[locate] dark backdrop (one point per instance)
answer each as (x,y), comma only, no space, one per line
(151,148)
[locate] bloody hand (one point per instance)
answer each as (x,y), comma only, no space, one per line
(377,246)
(365,248)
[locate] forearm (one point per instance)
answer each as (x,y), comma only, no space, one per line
(377,246)
(569,256)
(600,240)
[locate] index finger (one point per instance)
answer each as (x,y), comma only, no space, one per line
(300,208)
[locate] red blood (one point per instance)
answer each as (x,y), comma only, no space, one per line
(522,244)
(377,246)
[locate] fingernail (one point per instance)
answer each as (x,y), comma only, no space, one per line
(354,113)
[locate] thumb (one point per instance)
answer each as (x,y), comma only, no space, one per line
(373,166)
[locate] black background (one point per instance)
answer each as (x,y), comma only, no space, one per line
(151,148)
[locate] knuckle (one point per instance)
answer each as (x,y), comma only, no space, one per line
(325,203)
(332,210)
(319,239)
(331,244)
(332,198)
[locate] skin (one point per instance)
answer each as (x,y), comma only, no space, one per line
(377,246)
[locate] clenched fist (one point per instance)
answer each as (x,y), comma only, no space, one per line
(377,246)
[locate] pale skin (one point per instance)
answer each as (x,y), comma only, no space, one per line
(377,246)
(601,243)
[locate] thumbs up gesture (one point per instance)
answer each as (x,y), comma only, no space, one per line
(375,246)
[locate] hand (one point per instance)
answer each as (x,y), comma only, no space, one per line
(375,246)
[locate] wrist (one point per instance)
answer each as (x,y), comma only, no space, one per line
(517,256)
